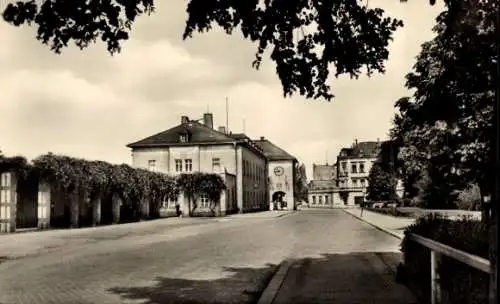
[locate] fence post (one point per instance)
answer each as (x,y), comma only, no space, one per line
(116,203)
(8,202)
(96,211)
(435,283)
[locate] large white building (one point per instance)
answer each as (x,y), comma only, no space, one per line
(194,146)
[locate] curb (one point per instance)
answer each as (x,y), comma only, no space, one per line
(272,289)
(376,226)
(285,214)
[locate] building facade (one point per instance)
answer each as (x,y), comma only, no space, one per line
(322,190)
(281,175)
(194,146)
(354,165)
(345,183)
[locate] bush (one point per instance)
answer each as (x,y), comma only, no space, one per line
(469,198)
(460,282)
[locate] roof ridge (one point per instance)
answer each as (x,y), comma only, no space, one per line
(212,129)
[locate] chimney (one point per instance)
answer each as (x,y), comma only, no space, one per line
(208,120)
(356,141)
(184,119)
(262,138)
(222,129)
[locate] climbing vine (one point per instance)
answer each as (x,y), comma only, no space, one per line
(195,185)
(98,179)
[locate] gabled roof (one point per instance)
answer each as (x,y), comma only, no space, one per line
(273,152)
(199,134)
(239,136)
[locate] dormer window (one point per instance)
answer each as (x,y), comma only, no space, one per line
(183,138)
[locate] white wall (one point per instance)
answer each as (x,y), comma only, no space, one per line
(286,179)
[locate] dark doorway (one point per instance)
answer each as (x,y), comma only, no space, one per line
(277,198)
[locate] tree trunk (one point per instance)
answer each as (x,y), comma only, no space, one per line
(485,205)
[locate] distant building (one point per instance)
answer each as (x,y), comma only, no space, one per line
(192,146)
(324,172)
(345,183)
(281,170)
(354,165)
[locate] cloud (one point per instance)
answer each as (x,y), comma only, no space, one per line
(91,104)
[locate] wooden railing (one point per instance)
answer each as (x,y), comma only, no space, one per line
(437,251)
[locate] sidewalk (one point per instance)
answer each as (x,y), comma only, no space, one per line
(260,214)
(352,278)
(17,245)
(392,225)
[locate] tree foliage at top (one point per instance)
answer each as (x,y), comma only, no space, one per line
(305,37)
(17,164)
(445,128)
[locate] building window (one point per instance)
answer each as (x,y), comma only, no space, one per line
(320,200)
(188,165)
(354,168)
(216,164)
(152,165)
(204,202)
(354,182)
(363,183)
(5,179)
(344,166)
(169,203)
(326,200)
(183,138)
(361,168)
(314,200)
(178,165)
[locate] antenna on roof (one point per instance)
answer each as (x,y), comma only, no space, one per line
(227,116)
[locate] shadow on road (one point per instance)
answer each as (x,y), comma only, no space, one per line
(243,285)
(356,276)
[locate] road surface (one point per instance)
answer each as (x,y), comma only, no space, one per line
(228,261)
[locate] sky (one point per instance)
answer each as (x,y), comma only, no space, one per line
(90,104)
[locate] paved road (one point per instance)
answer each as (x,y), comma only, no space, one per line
(202,261)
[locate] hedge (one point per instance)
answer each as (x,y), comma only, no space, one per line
(101,180)
(391,211)
(460,282)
